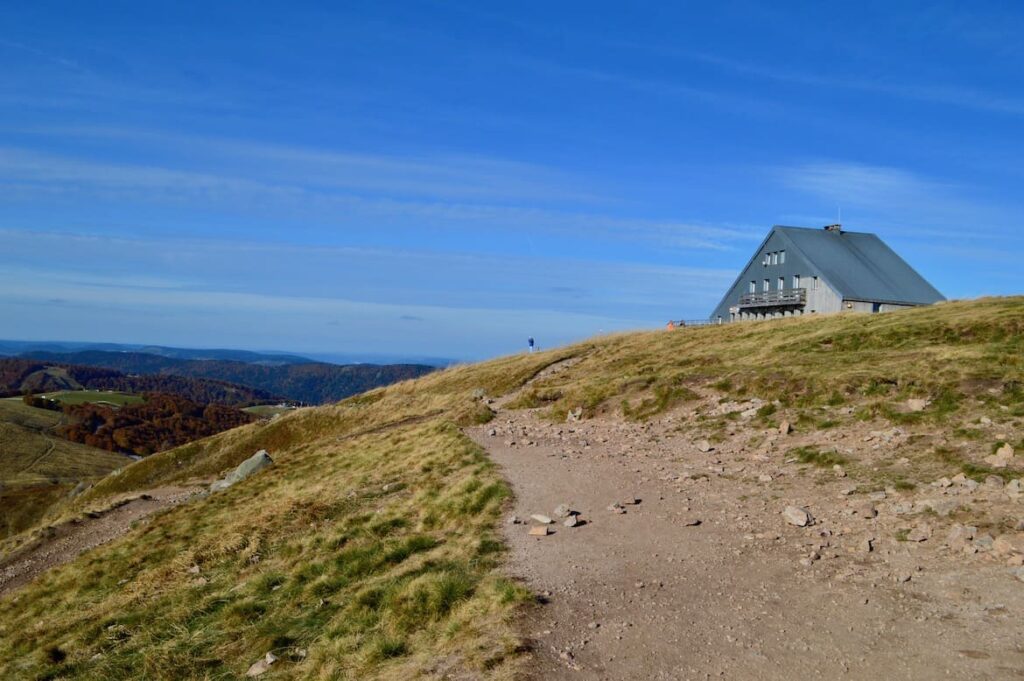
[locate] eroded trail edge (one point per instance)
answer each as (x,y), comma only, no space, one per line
(65,542)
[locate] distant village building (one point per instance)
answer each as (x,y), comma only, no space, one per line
(798,270)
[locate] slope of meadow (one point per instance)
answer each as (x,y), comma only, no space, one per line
(37,467)
(370,548)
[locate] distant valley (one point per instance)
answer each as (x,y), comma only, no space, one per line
(307,382)
(75,412)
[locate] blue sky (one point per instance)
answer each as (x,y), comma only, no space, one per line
(448,178)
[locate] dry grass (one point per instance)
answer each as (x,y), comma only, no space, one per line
(944,352)
(370,546)
(37,468)
(31,454)
(371,543)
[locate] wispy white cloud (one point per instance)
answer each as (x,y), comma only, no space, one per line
(48,57)
(956,95)
(25,174)
(244,319)
(449,176)
(658,87)
(363,274)
(920,205)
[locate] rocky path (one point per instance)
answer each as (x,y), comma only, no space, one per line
(699,575)
(65,542)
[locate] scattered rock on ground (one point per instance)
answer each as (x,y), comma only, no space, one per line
(262,665)
(795,515)
(920,533)
(917,404)
(1002,456)
(254,463)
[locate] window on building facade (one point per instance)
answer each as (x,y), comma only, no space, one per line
(782,283)
(767,284)
(753,287)
(775,258)
(815,286)
(782,257)
(796,281)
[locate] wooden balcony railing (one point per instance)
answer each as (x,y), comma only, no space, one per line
(791,297)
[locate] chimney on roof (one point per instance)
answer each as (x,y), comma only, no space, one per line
(834,228)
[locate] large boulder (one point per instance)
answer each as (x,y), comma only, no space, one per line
(254,463)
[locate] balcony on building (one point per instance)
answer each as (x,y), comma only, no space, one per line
(794,297)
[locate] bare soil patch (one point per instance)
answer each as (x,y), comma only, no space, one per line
(699,575)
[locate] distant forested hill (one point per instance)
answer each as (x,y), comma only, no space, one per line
(20,375)
(161,422)
(309,382)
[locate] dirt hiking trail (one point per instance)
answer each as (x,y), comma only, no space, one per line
(65,542)
(698,575)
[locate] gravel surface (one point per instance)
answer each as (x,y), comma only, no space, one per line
(685,565)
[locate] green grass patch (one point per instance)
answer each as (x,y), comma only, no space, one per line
(971,469)
(73,397)
(665,396)
(816,457)
(265,411)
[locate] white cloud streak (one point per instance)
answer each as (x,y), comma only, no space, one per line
(925,206)
(26,174)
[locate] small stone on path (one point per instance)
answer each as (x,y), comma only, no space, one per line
(919,533)
(917,404)
(800,517)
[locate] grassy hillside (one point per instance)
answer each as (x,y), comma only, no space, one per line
(369,545)
(37,468)
(369,549)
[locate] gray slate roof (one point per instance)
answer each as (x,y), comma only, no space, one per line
(859,266)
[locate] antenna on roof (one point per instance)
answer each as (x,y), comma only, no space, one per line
(838,227)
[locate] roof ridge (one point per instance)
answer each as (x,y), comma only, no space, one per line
(818,229)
